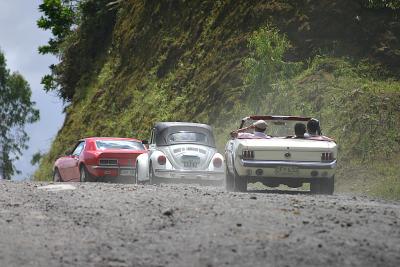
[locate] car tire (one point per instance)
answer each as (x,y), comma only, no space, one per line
(328,186)
(315,187)
(57,176)
(84,174)
(229,180)
(152,176)
(324,186)
(136,175)
(240,182)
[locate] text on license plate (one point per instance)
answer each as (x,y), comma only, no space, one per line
(286,170)
(126,172)
(190,164)
(190,161)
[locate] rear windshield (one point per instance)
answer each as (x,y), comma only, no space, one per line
(119,144)
(188,137)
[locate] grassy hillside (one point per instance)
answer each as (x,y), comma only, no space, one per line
(183,60)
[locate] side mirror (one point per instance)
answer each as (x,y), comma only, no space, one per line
(68,152)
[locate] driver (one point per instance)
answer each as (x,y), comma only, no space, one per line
(259,127)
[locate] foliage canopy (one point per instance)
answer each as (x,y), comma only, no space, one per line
(16,110)
(70,21)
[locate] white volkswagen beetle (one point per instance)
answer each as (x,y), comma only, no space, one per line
(281,157)
(181,152)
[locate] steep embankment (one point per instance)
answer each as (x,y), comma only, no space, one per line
(148,61)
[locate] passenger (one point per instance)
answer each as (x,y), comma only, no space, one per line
(259,127)
(313,128)
(299,130)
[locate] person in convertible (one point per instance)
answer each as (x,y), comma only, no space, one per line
(299,131)
(259,128)
(313,128)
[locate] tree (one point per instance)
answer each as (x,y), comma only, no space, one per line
(16,110)
(59,16)
(81,29)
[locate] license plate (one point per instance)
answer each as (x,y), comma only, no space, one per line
(126,172)
(288,170)
(190,162)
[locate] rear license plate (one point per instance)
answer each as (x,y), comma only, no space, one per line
(287,170)
(190,162)
(126,172)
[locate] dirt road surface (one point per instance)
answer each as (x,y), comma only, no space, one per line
(98,224)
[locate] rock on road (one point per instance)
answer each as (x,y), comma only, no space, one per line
(98,224)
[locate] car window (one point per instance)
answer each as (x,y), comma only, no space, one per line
(187,137)
(119,144)
(77,151)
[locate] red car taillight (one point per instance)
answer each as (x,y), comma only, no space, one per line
(217,162)
(161,160)
(327,156)
(248,154)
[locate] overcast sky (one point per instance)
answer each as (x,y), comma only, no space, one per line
(19,40)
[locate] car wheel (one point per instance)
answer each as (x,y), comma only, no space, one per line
(56,176)
(152,176)
(315,187)
(240,182)
(323,186)
(328,186)
(136,175)
(229,182)
(84,174)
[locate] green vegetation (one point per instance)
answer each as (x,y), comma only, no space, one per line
(16,110)
(126,67)
(393,4)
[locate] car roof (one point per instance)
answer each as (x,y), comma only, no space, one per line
(160,126)
(109,139)
(163,129)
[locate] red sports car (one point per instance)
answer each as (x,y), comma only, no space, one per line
(96,158)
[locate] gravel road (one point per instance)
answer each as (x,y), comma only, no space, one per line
(98,224)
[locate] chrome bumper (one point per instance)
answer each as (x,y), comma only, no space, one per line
(114,167)
(186,174)
(299,164)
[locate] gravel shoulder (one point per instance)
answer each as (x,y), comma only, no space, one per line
(98,224)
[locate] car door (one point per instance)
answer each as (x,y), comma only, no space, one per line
(71,163)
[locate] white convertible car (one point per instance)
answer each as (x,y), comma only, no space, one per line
(181,152)
(281,158)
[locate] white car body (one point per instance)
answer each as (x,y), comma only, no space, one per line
(188,162)
(281,160)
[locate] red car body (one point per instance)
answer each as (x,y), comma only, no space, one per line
(99,157)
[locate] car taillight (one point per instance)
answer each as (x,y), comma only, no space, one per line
(248,154)
(161,160)
(327,156)
(217,162)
